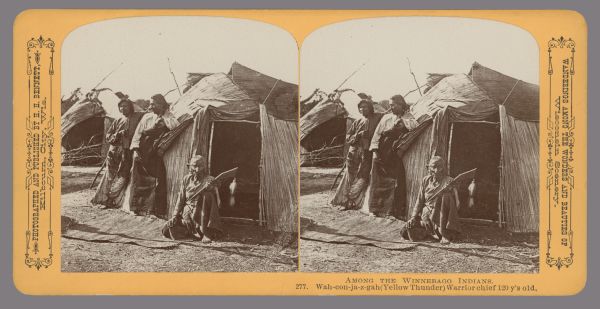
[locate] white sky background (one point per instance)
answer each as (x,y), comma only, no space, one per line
(433,44)
(193,44)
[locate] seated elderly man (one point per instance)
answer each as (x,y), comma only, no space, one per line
(436,211)
(197,211)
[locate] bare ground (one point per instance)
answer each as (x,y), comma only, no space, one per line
(482,249)
(245,248)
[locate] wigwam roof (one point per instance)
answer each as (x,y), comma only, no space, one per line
(479,91)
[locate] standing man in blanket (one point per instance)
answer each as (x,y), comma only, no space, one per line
(386,195)
(111,190)
(147,190)
(351,191)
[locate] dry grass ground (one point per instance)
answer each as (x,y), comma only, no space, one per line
(245,248)
(482,249)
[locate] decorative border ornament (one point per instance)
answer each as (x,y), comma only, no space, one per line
(40,165)
(560,144)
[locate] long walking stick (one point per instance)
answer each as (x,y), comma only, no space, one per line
(338,176)
(99,171)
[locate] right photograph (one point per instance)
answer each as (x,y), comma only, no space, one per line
(419,147)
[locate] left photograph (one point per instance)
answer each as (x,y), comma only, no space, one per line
(179,146)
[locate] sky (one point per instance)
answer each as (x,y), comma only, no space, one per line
(192,44)
(138,48)
(433,45)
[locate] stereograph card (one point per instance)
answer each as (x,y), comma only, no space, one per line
(300,152)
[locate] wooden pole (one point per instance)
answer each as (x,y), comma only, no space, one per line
(270,91)
(352,74)
(210,145)
(414,77)
(450,148)
(172,74)
(98,173)
(107,75)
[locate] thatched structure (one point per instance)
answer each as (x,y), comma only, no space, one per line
(242,119)
(84,125)
(323,128)
(489,121)
(66,103)
(323,134)
(83,128)
(194,78)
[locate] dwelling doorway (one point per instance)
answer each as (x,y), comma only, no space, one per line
(476,145)
(236,143)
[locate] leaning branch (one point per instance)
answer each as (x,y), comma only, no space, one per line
(414,77)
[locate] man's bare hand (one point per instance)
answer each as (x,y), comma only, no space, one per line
(376,156)
(136,156)
(411,222)
(212,184)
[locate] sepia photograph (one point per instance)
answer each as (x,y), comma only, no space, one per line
(179,146)
(273,152)
(419,147)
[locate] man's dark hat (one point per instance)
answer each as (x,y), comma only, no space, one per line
(121,95)
(364,96)
(123,99)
